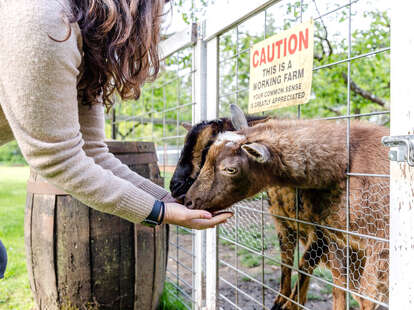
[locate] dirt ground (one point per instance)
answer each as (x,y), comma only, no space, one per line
(251,294)
(319,298)
(255,290)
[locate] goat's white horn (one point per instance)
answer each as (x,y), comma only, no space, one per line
(238,119)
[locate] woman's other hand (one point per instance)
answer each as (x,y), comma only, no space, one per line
(178,214)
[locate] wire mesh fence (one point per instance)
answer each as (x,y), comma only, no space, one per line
(351,82)
(157,117)
(348,68)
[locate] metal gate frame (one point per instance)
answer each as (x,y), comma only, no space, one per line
(402,175)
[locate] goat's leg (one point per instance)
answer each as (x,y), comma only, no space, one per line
(339,299)
(374,280)
(339,278)
(337,263)
(316,247)
(287,243)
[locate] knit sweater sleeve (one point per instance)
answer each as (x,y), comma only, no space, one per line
(39,98)
(92,126)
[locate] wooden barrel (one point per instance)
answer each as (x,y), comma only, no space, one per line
(79,258)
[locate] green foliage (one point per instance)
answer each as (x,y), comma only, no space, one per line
(169,299)
(314,297)
(10,154)
(192,10)
(249,259)
(323,273)
(163,105)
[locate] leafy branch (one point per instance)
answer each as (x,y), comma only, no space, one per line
(364,93)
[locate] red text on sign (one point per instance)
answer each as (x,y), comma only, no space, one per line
(281,48)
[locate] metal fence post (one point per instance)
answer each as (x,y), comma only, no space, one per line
(402,175)
(199,114)
(211,237)
(114,132)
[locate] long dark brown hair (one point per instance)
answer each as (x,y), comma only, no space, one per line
(120,39)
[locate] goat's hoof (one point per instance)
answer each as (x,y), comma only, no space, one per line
(277,306)
(287,306)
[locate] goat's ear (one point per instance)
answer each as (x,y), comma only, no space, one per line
(238,118)
(187,126)
(257,152)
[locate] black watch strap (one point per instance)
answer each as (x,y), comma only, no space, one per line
(157,214)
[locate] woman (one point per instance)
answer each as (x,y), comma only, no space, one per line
(61,60)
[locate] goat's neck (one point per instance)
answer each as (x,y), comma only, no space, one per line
(304,156)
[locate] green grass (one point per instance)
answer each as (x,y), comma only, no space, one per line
(248,259)
(314,297)
(15,290)
(169,300)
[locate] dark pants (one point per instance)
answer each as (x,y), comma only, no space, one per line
(3,260)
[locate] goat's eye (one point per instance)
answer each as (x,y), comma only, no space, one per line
(231,170)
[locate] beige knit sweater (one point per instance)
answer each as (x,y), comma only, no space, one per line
(60,138)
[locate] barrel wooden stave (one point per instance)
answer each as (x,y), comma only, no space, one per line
(80,257)
(72,251)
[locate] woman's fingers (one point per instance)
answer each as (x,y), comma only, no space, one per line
(197,219)
(199,214)
(203,224)
(223,216)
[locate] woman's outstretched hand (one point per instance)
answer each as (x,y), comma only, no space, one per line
(178,214)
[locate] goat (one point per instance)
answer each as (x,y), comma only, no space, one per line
(310,155)
(197,142)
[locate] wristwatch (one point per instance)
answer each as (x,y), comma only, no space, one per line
(157,214)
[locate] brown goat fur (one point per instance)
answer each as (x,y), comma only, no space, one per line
(279,156)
